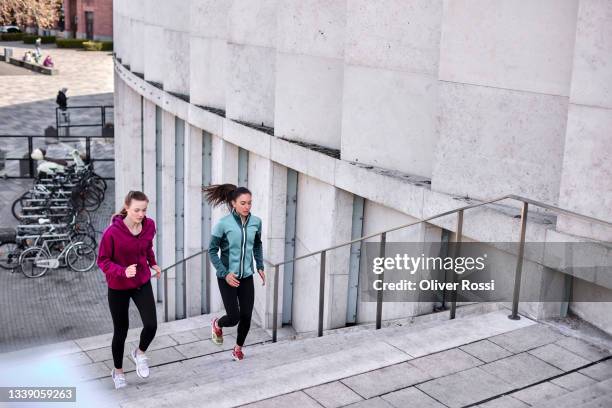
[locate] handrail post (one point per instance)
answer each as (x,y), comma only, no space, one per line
(88,149)
(207,280)
(519,264)
(275,305)
(458,234)
(30,160)
(321,294)
(165,296)
(381,277)
(184,273)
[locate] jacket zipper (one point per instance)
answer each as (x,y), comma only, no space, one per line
(243,245)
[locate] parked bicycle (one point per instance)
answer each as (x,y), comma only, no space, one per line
(37,260)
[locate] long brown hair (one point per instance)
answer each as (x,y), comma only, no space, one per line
(132,195)
(217,194)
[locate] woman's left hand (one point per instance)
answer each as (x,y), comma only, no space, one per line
(262,275)
(157,269)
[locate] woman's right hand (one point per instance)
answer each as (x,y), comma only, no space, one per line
(232,280)
(130,271)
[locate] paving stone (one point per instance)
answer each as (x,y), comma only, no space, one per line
(295,399)
(203,347)
(486,351)
(527,338)
(600,371)
(106,353)
(371,403)
(445,362)
(456,333)
(385,380)
(163,356)
(156,357)
(159,342)
(521,370)
(539,392)
(197,362)
(583,349)
(203,333)
(257,335)
(465,387)
(127,365)
(104,340)
(504,402)
(582,397)
(76,359)
(192,323)
(91,371)
(559,357)
(411,396)
(573,381)
(332,395)
(601,402)
(102,354)
(185,337)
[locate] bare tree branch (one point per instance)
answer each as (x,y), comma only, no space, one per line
(30,13)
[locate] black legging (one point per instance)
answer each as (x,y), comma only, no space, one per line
(119,302)
(238,304)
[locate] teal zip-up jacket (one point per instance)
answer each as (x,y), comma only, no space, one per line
(238,243)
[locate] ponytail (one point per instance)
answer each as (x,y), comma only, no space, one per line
(132,195)
(217,194)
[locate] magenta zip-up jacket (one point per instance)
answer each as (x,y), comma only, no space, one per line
(119,248)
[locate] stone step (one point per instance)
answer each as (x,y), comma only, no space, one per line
(260,357)
(275,369)
(196,345)
(591,395)
(404,360)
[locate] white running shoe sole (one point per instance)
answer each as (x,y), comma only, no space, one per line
(121,385)
(138,373)
(213,337)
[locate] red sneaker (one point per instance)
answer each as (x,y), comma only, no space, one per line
(217,332)
(237,354)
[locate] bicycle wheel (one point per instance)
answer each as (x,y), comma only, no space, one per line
(18,204)
(99,181)
(83,217)
(85,238)
(9,255)
(29,259)
(81,257)
(93,199)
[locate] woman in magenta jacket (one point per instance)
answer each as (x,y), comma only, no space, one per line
(126,257)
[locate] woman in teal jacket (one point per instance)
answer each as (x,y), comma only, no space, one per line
(238,237)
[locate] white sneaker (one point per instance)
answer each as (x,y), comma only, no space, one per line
(142,365)
(118,379)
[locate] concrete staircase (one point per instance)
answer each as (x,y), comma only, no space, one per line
(482,360)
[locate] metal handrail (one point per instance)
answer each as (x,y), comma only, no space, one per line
(457,238)
(467,207)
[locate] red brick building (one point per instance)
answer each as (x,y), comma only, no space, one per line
(92,19)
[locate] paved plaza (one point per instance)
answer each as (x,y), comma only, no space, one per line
(61,305)
(82,72)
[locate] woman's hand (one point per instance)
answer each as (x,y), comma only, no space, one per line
(157,269)
(130,271)
(262,275)
(232,280)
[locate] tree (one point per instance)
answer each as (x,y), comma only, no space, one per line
(30,13)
